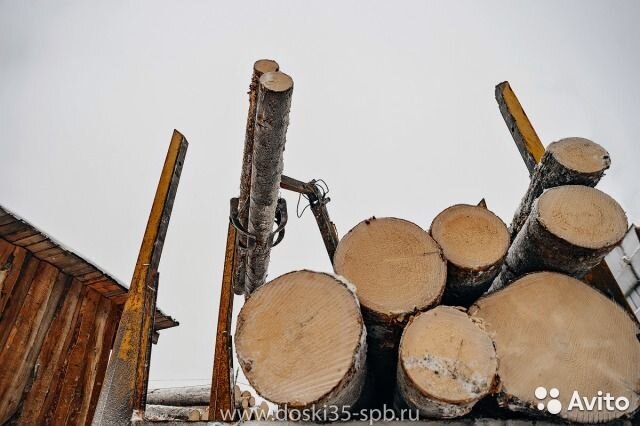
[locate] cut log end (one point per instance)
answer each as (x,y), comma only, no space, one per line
(475,242)
(300,341)
(395,265)
(553,331)
(276,81)
(263,66)
(447,363)
(582,216)
(580,155)
(471,237)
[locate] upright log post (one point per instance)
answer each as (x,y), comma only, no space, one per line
(272,120)
(259,68)
(124,391)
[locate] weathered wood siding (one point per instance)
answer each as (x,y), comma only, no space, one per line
(58,318)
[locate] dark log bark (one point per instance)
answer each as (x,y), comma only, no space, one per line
(569,230)
(272,120)
(570,161)
(259,68)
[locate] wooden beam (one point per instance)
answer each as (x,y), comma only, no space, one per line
(221,400)
(525,136)
(125,382)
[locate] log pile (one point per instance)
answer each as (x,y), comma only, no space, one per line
(530,322)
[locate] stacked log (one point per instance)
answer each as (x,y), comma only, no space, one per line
(447,363)
(569,161)
(474,242)
(301,341)
(398,270)
(570,229)
(553,331)
(181,397)
(170,413)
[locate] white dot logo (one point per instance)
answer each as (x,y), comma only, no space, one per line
(554,406)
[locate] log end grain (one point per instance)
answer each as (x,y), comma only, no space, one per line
(262,66)
(396,267)
(300,341)
(554,331)
(276,81)
(447,363)
(583,216)
(474,241)
(580,155)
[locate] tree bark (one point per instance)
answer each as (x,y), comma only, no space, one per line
(475,242)
(447,363)
(259,68)
(569,230)
(553,331)
(569,161)
(164,413)
(301,341)
(182,397)
(398,270)
(272,120)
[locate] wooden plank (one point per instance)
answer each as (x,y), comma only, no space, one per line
(13,227)
(53,305)
(26,233)
(16,298)
(522,131)
(75,357)
(80,408)
(101,366)
(51,255)
(51,356)
(40,246)
(21,342)
(36,238)
(124,385)
(7,219)
(221,400)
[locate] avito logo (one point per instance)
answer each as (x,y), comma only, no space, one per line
(602,402)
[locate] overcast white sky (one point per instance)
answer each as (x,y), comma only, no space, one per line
(393,106)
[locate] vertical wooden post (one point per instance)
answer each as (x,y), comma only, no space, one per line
(523,133)
(221,401)
(125,380)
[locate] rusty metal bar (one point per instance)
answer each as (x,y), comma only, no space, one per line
(123,394)
(319,208)
(521,129)
(221,401)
